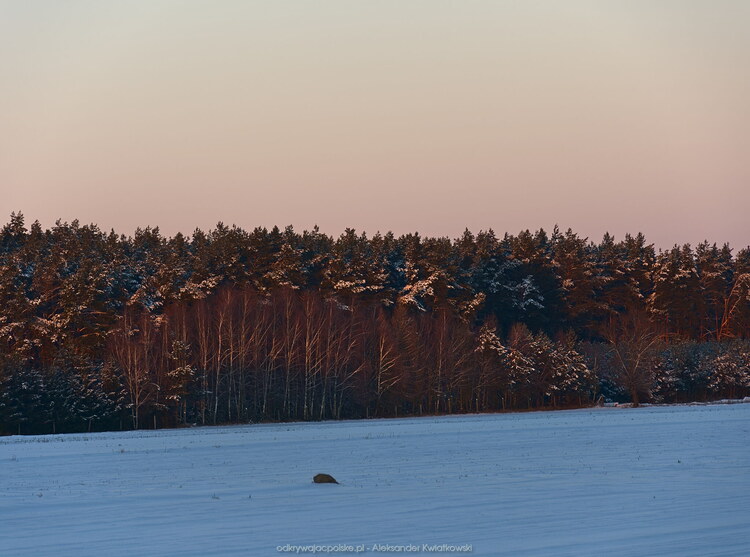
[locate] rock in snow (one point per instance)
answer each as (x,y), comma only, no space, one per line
(324,479)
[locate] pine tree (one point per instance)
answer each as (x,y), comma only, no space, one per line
(676,302)
(506,370)
(730,371)
(714,268)
(618,288)
(542,284)
(574,260)
(22,408)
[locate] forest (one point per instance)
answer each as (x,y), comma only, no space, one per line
(101,331)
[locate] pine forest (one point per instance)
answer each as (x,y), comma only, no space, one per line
(102,331)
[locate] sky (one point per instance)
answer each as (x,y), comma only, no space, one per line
(419,115)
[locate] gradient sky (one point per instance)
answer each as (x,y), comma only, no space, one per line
(382,115)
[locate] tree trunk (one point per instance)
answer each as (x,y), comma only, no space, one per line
(634,396)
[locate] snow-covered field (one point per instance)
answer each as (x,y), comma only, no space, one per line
(649,481)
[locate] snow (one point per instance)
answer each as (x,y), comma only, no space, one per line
(604,481)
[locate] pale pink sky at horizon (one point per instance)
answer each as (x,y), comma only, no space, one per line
(423,115)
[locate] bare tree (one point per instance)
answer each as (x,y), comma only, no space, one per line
(734,302)
(134,345)
(634,344)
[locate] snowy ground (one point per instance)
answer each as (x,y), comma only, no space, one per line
(649,481)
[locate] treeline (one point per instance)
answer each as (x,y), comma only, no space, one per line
(103,331)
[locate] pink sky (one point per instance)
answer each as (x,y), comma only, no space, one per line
(380,115)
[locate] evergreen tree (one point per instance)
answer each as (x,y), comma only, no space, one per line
(730,371)
(715,271)
(542,284)
(22,404)
(676,302)
(574,260)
